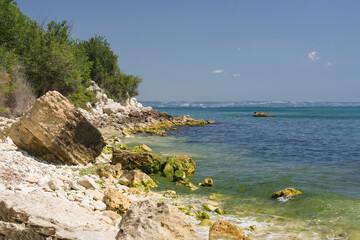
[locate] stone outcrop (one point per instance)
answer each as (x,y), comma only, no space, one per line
(262,114)
(287,192)
(153,221)
(223,229)
(56,132)
(116,201)
(130,116)
(39,216)
(146,162)
(137,179)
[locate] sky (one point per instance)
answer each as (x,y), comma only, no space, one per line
(229,50)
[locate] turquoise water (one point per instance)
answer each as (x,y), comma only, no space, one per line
(315,150)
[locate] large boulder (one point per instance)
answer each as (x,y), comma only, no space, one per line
(153,221)
(56,132)
(36,216)
(146,162)
(223,229)
(137,179)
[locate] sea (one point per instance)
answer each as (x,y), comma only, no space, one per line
(313,149)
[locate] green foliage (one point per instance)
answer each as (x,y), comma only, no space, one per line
(52,60)
(106,72)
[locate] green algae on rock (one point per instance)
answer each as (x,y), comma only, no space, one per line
(208,182)
(287,192)
(206,222)
(137,179)
(146,162)
(220,211)
(174,163)
(187,184)
(202,215)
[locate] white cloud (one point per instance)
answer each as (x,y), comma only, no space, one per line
(236,75)
(238,48)
(217,71)
(313,56)
(328,63)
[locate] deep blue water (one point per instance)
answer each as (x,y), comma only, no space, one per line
(316,150)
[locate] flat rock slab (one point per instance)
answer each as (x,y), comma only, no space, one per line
(38,216)
(56,132)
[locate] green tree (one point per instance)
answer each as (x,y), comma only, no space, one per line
(106,72)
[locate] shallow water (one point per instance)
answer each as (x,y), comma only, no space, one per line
(315,150)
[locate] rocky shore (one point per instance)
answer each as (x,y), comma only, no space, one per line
(60,179)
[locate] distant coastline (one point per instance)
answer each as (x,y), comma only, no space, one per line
(210,104)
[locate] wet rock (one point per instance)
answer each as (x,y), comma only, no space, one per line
(39,216)
(53,130)
(287,192)
(146,162)
(206,222)
(116,201)
(261,114)
(220,211)
(187,184)
(110,171)
(202,215)
(148,220)
(181,162)
(208,182)
(223,229)
(146,148)
(170,194)
(137,179)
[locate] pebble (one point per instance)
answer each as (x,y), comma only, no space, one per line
(99,205)
(31,180)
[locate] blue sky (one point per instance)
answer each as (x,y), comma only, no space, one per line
(225,50)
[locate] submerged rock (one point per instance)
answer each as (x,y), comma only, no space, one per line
(223,229)
(146,162)
(152,221)
(137,179)
(187,184)
(287,192)
(208,182)
(262,114)
(56,132)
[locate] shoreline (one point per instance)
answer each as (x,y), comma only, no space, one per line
(37,176)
